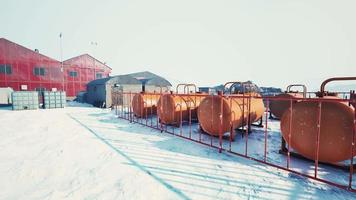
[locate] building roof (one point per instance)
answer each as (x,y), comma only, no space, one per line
(77,60)
(134,78)
(121,79)
(67,62)
(4,41)
(100,81)
(151,78)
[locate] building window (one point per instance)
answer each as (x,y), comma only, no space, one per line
(73,73)
(5,69)
(99,75)
(39,71)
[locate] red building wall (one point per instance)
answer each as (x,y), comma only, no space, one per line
(23,62)
(86,68)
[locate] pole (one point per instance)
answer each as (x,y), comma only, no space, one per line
(61,51)
(94,44)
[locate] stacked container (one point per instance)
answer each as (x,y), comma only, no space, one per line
(24,100)
(54,99)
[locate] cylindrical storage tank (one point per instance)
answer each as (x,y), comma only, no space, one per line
(144,104)
(174,108)
(279,106)
(234,109)
(336,129)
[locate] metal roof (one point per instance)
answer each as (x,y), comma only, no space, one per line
(4,40)
(68,61)
(99,81)
(151,78)
(134,78)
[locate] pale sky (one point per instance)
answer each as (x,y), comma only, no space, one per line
(207,42)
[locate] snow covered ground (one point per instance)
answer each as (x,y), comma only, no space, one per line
(82,152)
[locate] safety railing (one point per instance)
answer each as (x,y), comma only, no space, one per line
(264,139)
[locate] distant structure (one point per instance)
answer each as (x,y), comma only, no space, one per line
(270,91)
(239,88)
(207,90)
(244,87)
(100,92)
(25,69)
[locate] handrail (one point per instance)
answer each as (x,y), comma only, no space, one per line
(190,85)
(298,85)
(186,86)
(323,84)
(233,83)
(243,85)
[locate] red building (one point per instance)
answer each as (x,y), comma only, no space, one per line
(24,69)
(81,70)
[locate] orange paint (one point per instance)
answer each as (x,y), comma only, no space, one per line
(336,129)
(234,110)
(174,108)
(144,104)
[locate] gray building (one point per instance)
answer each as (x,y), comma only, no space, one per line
(103,92)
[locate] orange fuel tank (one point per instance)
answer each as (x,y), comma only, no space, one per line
(336,128)
(145,104)
(174,108)
(235,110)
(279,106)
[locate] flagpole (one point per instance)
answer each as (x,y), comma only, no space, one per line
(62,69)
(94,44)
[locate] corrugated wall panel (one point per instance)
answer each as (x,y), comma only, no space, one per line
(23,61)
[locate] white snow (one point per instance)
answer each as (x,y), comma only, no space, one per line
(82,152)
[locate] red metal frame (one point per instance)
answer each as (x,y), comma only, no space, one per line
(126,113)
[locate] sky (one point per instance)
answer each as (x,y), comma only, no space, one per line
(206,42)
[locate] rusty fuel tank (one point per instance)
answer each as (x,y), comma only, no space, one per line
(279,106)
(175,108)
(145,104)
(336,127)
(234,108)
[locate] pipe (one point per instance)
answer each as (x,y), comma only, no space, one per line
(234,83)
(288,90)
(186,86)
(323,84)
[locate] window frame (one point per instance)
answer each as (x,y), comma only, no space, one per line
(39,71)
(100,75)
(7,69)
(73,74)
